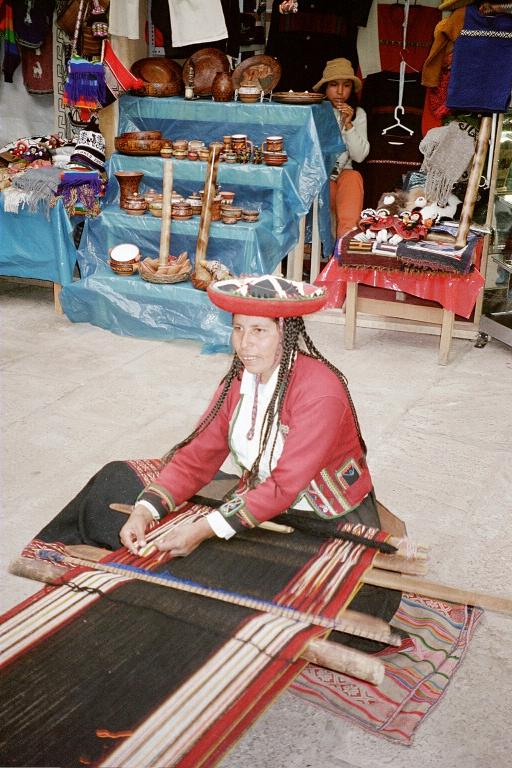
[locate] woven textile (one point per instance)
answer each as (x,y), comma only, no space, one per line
(133,674)
(417,675)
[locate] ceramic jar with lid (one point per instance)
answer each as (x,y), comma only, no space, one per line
(181,210)
(135,204)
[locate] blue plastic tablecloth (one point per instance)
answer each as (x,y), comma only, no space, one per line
(310,132)
(36,246)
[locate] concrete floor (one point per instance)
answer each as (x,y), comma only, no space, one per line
(439,439)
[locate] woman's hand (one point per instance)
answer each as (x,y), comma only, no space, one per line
(347,113)
(183,540)
(133,532)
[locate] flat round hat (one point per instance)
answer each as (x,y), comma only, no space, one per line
(267,296)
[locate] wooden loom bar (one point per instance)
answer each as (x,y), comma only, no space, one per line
(165,231)
(406,583)
(324,653)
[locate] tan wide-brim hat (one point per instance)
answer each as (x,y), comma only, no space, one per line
(338,69)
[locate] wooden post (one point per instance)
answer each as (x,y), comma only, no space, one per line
(351,314)
(206,210)
(165,230)
(474,181)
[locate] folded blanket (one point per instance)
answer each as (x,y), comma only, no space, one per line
(34,188)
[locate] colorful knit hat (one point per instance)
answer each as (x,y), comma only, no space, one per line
(90,148)
(267,296)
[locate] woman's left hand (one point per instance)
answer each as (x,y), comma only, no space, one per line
(183,540)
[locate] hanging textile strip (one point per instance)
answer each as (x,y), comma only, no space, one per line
(185,675)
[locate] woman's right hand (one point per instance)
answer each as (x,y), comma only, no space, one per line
(133,532)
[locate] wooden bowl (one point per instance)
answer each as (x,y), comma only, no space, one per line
(172,88)
(142,135)
(128,146)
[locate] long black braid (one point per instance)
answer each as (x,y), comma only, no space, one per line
(293,330)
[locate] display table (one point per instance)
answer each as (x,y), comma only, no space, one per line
(35,246)
(456,295)
(310,132)
(283,195)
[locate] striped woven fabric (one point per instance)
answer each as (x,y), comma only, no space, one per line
(417,674)
(107,670)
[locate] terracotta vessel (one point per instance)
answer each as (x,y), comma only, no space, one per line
(275,158)
(128,184)
(123,258)
(181,210)
(222,87)
(135,204)
(250,214)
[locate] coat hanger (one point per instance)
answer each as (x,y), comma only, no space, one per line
(399,109)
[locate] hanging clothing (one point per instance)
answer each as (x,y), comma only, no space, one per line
(368,49)
(32,21)
(124,19)
(445,35)
(37,66)
(161,20)
(196,21)
(11,51)
(304,41)
(421,22)
(481,74)
(395,153)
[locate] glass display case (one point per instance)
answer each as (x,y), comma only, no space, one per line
(496,318)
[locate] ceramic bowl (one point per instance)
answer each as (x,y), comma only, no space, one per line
(124,258)
(203,154)
(275,158)
(248,214)
(227,197)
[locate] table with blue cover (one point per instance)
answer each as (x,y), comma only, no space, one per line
(36,245)
(283,194)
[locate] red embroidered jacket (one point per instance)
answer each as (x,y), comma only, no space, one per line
(322,457)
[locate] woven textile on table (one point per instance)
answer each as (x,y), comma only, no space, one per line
(144,675)
(408,254)
(417,674)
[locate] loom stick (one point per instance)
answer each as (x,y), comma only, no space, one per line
(165,231)
(345,660)
(324,653)
(405,583)
(361,628)
(399,564)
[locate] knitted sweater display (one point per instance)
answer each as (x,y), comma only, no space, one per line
(481,75)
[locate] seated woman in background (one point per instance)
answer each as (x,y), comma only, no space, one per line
(340,86)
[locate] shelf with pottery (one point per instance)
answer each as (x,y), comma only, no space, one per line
(310,134)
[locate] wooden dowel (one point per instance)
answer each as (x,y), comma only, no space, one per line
(350,622)
(322,652)
(206,211)
(345,660)
(165,228)
(415,566)
(406,583)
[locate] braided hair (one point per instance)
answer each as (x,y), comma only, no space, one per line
(293,331)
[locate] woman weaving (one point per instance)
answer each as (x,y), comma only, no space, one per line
(286,417)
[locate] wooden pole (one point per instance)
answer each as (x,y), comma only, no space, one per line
(406,583)
(165,230)
(322,652)
(206,210)
(473,181)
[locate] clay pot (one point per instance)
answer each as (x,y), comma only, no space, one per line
(135,204)
(123,258)
(128,184)
(181,210)
(275,158)
(222,87)
(250,215)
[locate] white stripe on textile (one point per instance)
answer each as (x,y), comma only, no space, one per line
(41,617)
(193,708)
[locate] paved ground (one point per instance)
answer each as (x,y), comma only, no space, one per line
(439,440)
